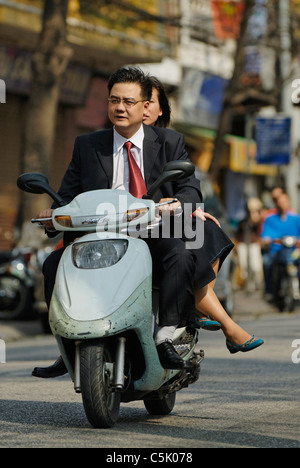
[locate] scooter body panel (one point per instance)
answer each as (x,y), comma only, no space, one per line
(93,294)
(135,312)
(104,210)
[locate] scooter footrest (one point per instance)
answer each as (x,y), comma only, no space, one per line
(184,343)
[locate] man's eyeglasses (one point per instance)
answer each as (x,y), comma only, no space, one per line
(128,103)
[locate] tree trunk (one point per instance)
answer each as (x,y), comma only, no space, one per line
(49,63)
(225,117)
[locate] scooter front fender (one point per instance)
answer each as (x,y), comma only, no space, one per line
(136,309)
(88,294)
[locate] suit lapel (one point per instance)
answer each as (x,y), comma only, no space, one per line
(103,144)
(150,151)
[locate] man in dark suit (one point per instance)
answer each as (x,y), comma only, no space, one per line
(101,160)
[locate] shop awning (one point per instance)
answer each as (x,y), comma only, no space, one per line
(202,142)
(243,158)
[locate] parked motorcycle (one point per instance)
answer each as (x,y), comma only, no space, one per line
(101,311)
(286,273)
(16,284)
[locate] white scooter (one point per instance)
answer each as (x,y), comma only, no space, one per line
(101,312)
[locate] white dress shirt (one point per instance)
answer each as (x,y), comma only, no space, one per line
(120,158)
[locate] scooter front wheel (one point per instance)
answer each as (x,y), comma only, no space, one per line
(100,401)
(161,407)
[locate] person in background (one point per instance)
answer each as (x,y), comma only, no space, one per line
(248,245)
(283,222)
(210,314)
(276,192)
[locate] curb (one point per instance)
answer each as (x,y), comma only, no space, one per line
(14,331)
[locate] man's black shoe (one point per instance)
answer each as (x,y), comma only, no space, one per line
(169,358)
(56,370)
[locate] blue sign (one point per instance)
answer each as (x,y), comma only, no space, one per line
(273,139)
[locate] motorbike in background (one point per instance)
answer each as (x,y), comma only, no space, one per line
(286,274)
(16,284)
(22,285)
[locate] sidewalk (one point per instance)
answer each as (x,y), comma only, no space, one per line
(17,330)
(251,306)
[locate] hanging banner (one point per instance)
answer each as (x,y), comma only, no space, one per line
(273,138)
(201,98)
(258,21)
(15,70)
(256,66)
(227,18)
(243,159)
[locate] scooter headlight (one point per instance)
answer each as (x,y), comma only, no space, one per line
(98,254)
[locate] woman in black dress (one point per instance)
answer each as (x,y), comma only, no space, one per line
(210,314)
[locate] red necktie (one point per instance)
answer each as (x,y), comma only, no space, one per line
(137,186)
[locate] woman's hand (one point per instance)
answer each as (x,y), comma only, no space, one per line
(199,213)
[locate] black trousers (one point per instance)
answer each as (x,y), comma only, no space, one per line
(173,273)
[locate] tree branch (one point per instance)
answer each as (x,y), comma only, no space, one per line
(225,117)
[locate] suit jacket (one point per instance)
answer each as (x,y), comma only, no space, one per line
(91,167)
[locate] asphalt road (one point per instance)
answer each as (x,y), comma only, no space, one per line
(243,401)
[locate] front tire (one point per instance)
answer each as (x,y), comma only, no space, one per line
(161,407)
(101,402)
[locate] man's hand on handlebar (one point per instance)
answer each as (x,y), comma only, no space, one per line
(47,214)
(168,207)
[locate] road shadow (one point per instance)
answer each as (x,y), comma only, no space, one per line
(33,417)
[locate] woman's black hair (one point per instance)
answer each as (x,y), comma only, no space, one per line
(164,119)
(131,75)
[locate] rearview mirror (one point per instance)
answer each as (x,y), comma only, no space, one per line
(173,170)
(33,182)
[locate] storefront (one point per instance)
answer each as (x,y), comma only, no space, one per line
(240,174)
(15,70)
(83,97)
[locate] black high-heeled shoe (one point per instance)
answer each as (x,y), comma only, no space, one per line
(56,370)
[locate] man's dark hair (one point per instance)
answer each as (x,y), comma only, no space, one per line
(131,75)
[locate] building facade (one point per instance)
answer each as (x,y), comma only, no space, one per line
(102,41)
